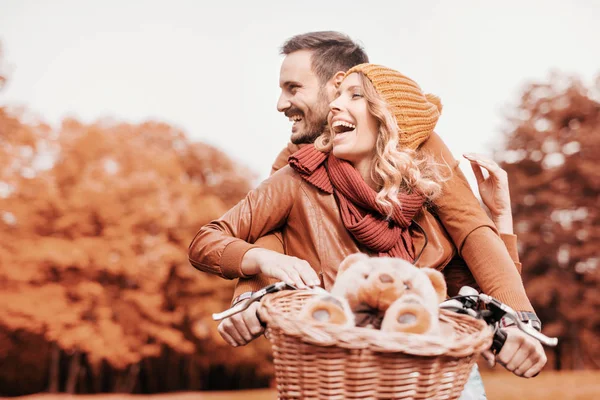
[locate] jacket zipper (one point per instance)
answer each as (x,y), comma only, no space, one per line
(425,245)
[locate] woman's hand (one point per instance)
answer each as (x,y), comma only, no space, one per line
(288,269)
(494,190)
(521,354)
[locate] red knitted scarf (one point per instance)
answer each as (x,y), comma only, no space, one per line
(361,214)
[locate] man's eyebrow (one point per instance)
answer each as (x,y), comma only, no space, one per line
(290,83)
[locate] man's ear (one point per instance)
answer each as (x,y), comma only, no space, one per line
(438,282)
(338,78)
(351,260)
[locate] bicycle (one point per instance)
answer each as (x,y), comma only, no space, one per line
(328,362)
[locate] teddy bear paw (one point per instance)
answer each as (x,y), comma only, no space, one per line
(407,315)
(327,309)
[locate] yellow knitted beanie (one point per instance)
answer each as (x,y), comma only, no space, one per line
(416,113)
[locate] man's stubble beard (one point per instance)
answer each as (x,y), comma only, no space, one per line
(316,123)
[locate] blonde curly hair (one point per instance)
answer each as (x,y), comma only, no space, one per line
(394,169)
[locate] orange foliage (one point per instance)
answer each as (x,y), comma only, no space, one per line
(96,292)
(552,165)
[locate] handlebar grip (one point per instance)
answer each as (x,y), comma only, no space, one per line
(499,340)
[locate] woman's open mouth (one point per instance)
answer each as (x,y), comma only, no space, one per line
(341,129)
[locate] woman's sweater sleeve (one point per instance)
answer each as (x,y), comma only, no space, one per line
(491,265)
(510,241)
(475,235)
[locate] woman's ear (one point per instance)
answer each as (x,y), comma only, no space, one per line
(438,282)
(351,260)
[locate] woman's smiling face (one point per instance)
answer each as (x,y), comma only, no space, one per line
(354,128)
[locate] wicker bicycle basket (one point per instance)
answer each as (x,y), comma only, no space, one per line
(324,361)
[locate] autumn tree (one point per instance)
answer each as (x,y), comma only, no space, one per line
(552,162)
(96,291)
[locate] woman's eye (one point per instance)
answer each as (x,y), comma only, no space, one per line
(356,95)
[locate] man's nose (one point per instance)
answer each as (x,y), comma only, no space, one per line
(283,103)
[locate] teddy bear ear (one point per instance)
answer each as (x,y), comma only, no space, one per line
(351,260)
(438,282)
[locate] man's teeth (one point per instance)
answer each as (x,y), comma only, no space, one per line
(295,118)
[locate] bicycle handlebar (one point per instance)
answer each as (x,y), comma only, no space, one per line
(244,304)
(512,314)
(256,296)
(469,296)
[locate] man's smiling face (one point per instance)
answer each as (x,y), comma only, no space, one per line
(303,98)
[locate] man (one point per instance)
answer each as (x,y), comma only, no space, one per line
(314,64)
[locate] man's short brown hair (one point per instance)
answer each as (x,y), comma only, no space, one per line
(332,52)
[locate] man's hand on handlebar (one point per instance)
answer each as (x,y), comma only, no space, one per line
(288,269)
(242,328)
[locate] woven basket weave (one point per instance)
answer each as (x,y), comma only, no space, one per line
(324,361)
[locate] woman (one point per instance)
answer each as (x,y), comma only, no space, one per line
(368,185)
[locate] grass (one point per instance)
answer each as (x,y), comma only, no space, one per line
(550,385)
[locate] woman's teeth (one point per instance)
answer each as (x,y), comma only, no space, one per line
(342,126)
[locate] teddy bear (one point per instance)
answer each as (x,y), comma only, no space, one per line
(383,293)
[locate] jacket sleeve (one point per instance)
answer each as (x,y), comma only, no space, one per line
(219,246)
(272,241)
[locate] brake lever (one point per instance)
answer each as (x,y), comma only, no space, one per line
(244,304)
(464,304)
(510,313)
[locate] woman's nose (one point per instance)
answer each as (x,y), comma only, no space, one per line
(334,106)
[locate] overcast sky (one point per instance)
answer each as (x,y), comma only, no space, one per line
(211,68)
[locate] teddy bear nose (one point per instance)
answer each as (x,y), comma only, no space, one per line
(385,278)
